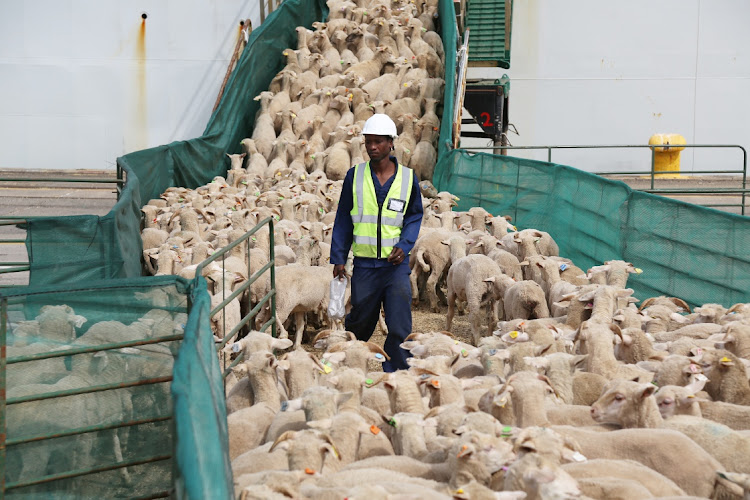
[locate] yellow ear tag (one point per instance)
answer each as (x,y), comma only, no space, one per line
(638,270)
(456,342)
(725,360)
(513,334)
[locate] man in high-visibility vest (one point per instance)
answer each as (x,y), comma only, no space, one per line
(378,217)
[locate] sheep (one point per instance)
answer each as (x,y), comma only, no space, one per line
(306,449)
(478,280)
(598,339)
(525,300)
(677,457)
(108,407)
(540,478)
(634,346)
(403,393)
(423,345)
(727,377)
(675,400)
(560,369)
(298,366)
(429,255)
(57,323)
(737,340)
(632,405)
(300,289)
(557,288)
(247,426)
(370,69)
(423,160)
(355,354)
(656,484)
(674,370)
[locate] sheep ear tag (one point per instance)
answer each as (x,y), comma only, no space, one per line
(396,205)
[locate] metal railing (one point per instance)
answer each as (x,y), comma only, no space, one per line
(244,288)
(462,63)
(21,220)
(127,422)
(654,174)
(271,4)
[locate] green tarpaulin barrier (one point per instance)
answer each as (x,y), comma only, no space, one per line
(173,433)
(698,254)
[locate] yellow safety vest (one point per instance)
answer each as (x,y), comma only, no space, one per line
(377,229)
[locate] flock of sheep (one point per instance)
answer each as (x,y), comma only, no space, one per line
(603,400)
(58,327)
(368,58)
(567,389)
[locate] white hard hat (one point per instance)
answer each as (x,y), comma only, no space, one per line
(380,124)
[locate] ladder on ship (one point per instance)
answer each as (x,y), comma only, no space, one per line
(489,24)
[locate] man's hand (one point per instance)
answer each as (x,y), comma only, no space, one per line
(339,271)
(397,256)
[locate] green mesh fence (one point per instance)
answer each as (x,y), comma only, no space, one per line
(100,380)
(695,253)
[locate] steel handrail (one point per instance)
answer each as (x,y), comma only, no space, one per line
(92,180)
(17,220)
(89,349)
(252,278)
(91,428)
(653,173)
(83,472)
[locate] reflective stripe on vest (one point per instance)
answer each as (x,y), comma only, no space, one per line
(365,212)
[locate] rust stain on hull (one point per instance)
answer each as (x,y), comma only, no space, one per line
(140,111)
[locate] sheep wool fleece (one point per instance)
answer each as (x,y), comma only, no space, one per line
(390,287)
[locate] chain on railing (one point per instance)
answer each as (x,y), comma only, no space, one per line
(742,192)
(252,278)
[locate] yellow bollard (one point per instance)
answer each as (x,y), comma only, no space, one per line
(667,159)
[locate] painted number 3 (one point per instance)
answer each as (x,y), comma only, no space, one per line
(485,119)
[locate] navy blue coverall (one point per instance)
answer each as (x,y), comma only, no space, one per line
(377,281)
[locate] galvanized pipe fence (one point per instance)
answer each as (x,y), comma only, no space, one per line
(244,288)
(19,221)
(68,350)
(741,191)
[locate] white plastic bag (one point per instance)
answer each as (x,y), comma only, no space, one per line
(336,303)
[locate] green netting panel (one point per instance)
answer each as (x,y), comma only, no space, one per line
(695,253)
(204,469)
(113,404)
